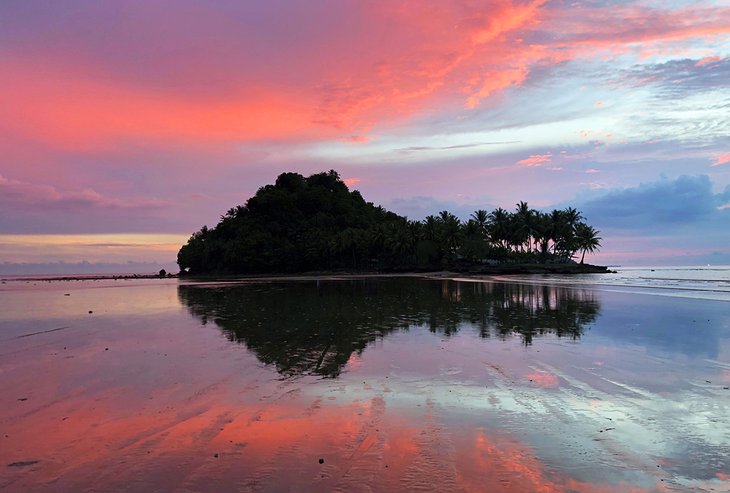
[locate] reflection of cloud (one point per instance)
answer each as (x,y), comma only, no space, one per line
(544,379)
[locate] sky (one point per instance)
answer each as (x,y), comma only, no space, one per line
(127,125)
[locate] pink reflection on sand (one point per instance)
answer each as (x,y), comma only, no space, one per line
(544,379)
(146,416)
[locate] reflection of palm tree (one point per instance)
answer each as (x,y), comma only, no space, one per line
(587,239)
(314,328)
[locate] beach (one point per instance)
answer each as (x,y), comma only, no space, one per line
(587,383)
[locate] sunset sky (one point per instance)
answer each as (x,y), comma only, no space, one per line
(127,125)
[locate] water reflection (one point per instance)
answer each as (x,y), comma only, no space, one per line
(315,327)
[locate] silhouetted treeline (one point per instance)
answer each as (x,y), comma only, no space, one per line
(311,224)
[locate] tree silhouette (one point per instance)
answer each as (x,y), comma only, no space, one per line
(587,239)
(316,223)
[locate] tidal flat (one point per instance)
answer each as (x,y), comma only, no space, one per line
(362,384)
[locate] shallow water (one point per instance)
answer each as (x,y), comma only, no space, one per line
(702,282)
(362,385)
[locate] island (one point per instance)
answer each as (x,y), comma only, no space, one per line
(316,224)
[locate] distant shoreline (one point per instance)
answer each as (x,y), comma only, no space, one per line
(506,269)
(84,277)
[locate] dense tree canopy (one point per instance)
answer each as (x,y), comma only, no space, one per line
(315,223)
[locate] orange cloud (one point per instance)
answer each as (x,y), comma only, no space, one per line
(536,160)
(496,82)
(707,60)
(75,110)
(405,58)
(634,28)
(351,181)
(722,159)
(71,102)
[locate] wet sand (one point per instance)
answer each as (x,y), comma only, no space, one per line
(409,385)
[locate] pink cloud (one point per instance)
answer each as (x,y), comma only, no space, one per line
(707,60)
(722,159)
(536,160)
(330,82)
(28,196)
(599,104)
(351,181)
(635,28)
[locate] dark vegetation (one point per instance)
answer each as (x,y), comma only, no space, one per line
(314,327)
(316,224)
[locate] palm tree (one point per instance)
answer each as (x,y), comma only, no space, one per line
(543,225)
(524,225)
(430,225)
(499,226)
(450,229)
(587,239)
(481,217)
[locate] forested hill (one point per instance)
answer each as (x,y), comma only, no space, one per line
(315,223)
(298,224)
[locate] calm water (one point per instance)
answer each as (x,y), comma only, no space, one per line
(378,384)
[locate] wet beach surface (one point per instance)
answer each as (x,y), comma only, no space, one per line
(396,384)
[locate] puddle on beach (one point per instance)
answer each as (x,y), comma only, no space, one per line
(398,384)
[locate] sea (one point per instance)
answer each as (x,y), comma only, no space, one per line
(615,382)
(703,282)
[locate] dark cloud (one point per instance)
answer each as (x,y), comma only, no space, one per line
(459,146)
(651,207)
(681,78)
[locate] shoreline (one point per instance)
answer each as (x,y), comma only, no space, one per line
(481,270)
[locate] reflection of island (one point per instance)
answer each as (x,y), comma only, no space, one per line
(315,326)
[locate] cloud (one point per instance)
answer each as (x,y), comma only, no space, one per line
(457,146)
(622,28)
(722,159)
(656,206)
(536,160)
(16,194)
(682,78)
